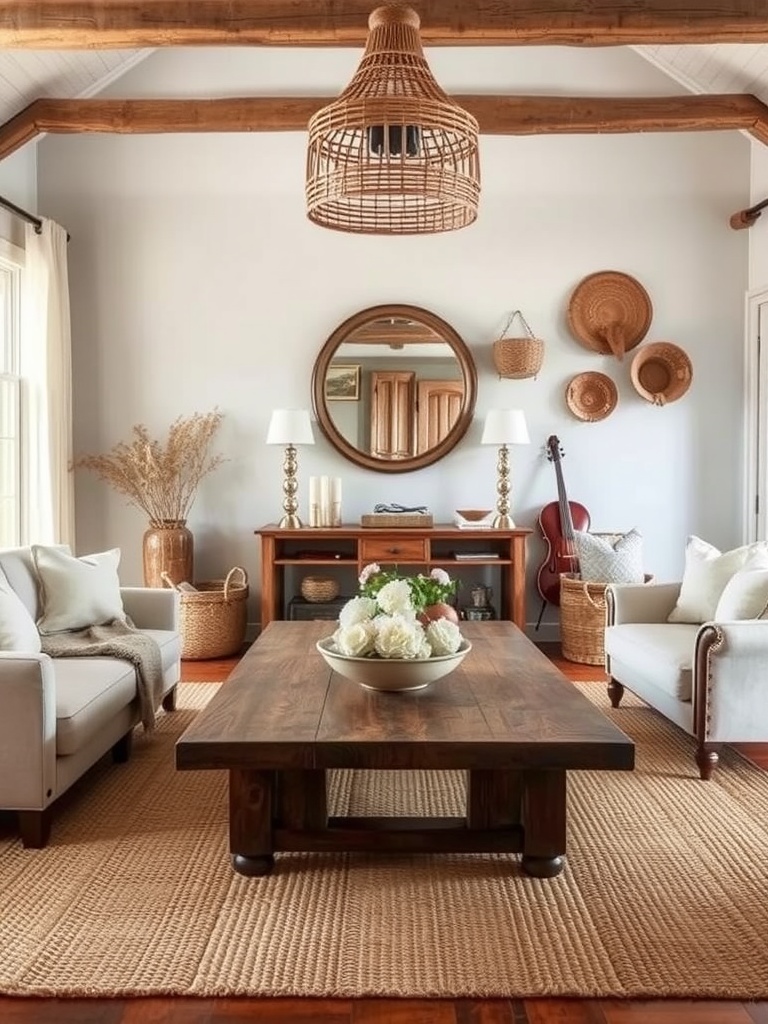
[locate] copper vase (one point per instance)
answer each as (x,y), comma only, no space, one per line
(168,547)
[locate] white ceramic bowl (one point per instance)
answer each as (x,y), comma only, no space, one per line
(392,673)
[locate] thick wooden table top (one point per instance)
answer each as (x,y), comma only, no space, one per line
(505,707)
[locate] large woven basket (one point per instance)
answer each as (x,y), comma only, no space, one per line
(518,357)
(213,616)
(582,619)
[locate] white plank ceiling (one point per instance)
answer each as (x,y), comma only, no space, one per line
(26,75)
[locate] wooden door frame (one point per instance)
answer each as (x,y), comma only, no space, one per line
(755,494)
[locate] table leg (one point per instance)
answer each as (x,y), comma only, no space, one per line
(251,797)
(301,800)
(543,823)
(493,799)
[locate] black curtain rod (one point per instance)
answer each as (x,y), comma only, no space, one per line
(25,215)
(29,217)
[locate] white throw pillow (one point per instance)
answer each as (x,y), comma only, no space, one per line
(601,561)
(745,596)
(18,631)
(707,571)
(77,592)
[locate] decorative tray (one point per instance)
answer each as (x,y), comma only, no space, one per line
(397,519)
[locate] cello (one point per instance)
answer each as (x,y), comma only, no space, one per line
(557,522)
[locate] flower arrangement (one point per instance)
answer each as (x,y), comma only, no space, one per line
(387,620)
(161,479)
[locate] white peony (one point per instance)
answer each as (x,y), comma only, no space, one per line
(395,598)
(357,609)
(357,640)
(425,651)
(398,636)
(444,636)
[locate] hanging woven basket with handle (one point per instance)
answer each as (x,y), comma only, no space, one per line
(518,357)
(213,616)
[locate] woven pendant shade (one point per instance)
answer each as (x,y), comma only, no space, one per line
(393,155)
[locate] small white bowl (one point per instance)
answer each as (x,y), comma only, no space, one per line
(392,673)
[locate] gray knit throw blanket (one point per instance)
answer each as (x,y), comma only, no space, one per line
(117,639)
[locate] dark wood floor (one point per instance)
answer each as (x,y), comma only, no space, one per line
(386,1011)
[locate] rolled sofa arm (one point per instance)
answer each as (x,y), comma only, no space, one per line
(640,602)
(730,696)
(152,607)
(27,731)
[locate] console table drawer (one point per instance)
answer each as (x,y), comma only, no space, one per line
(409,549)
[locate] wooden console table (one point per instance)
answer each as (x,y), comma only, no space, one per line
(419,547)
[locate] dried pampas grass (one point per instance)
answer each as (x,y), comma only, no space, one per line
(161,479)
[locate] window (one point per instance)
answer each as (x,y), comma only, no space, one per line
(11,439)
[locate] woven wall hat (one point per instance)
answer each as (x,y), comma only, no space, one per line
(610,312)
(591,396)
(661,372)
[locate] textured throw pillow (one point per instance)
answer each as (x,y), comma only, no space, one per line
(77,592)
(18,631)
(601,561)
(707,571)
(745,596)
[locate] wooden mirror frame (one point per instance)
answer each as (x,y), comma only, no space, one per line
(457,431)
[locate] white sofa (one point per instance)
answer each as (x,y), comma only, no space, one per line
(711,679)
(59,716)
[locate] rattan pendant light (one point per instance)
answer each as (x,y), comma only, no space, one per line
(393,155)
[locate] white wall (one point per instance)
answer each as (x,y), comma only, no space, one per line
(18,183)
(758,233)
(198,281)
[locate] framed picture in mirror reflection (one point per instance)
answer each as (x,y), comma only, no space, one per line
(342,382)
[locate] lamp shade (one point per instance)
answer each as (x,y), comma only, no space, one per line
(290,426)
(393,155)
(505,426)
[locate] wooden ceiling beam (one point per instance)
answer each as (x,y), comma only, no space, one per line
(497,115)
(107,24)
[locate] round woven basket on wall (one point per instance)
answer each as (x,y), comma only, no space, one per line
(518,357)
(609,312)
(591,396)
(661,372)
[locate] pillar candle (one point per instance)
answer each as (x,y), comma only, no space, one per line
(335,489)
(314,501)
(325,502)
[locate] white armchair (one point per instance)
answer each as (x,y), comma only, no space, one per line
(60,715)
(711,679)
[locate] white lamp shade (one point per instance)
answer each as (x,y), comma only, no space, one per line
(290,426)
(505,426)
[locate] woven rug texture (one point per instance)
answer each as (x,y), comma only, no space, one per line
(663,893)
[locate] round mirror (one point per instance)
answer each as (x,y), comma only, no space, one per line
(394,388)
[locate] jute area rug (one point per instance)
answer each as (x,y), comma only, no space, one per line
(665,890)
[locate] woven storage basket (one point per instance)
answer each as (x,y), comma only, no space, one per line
(582,619)
(517,358)
(213,616)
(319,589)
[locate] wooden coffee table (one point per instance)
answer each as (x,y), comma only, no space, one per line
(506,716)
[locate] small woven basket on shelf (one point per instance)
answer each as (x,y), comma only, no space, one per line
(213,616)
(582,619)
(518,358)
(319,589)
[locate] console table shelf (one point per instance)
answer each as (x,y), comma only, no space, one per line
(420,548)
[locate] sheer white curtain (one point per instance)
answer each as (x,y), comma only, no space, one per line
(46,368)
